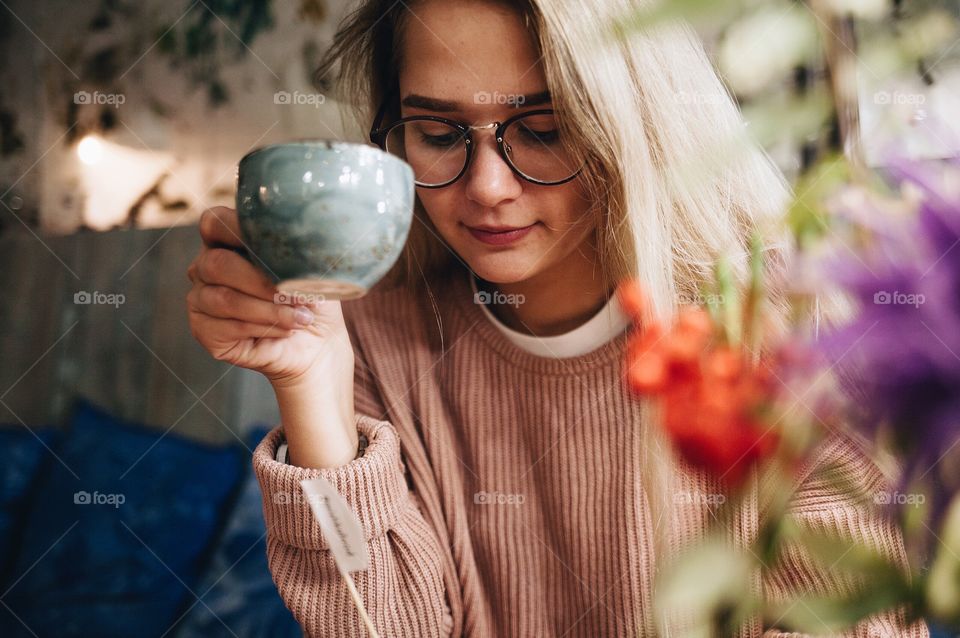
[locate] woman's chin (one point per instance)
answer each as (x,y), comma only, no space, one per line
(500,269)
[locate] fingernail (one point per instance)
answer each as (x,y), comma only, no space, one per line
(303,316)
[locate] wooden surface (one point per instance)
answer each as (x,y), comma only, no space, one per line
(138,360)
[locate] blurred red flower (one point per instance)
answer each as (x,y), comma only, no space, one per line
(712,394)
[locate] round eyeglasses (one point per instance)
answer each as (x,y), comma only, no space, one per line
(440,150)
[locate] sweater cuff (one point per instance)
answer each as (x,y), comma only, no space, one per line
(373,485)
(282,449)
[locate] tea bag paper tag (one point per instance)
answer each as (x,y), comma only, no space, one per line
(339,524)
(344,533)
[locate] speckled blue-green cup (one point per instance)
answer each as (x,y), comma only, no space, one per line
(324,217)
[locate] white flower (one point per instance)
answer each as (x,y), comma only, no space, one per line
(867,9)
(764,46)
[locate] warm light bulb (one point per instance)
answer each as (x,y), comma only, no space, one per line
(90,150)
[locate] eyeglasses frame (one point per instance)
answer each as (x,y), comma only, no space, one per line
(379,135)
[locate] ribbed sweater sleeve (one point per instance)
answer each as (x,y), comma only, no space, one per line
(402,590)
(851,514)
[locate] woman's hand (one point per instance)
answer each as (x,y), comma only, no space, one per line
(303,349)
(238,315)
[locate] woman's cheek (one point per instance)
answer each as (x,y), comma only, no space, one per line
(439,207)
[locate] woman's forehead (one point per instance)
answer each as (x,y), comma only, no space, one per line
(459,48)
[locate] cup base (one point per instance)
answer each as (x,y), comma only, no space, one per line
(329,288)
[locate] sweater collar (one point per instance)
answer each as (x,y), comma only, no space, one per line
(608,323)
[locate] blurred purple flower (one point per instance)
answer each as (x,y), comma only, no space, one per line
(900,356)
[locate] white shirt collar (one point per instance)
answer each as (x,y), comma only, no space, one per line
(609,322)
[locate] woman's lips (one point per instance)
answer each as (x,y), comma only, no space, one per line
(501,238)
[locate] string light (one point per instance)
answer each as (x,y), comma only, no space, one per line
(90,150)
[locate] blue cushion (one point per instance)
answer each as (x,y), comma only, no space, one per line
(238,595)
(118,532)
(24,453)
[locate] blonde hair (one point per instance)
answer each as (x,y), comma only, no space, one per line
(656,124)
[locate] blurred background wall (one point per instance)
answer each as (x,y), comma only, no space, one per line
(122,103)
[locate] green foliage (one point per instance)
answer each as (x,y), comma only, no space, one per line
(212,35)
(807,217)
(881,585)
(709,582)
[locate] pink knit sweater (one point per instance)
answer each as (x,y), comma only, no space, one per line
(500,492)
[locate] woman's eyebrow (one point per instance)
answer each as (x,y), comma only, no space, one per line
(447,106)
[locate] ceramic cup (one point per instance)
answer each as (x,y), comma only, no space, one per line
(324,217)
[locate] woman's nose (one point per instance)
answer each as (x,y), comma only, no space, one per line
(489,179)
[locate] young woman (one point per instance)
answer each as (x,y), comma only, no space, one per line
(471,407)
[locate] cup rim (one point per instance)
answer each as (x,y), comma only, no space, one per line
(328,144)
